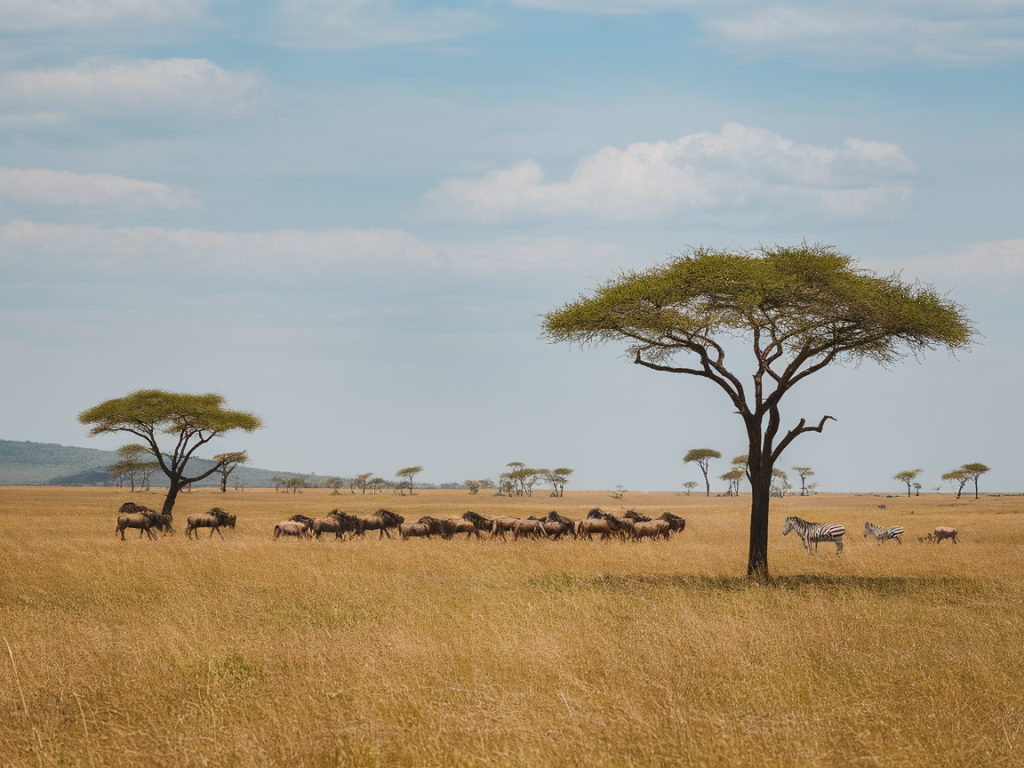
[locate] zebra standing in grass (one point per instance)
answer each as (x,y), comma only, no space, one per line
(815,532)
(883,534)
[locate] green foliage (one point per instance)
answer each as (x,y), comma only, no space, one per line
(798,309)
(191,421)
(907,476)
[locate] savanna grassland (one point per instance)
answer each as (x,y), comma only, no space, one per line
(252,652)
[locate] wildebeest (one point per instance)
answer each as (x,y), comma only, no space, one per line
(382,520)
(606,524)
(557,526)
(531,527)
(136,516)
(481,522)
(215,519)
(337,522)
(945,532)
(502,525)
(426,526)
(297,528)
(454,525)
(660,528)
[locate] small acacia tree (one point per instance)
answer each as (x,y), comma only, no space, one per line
(907,476)
(689,485)
(407,475)
(797,309)
(702,457)
(228,463)
(959,478)
(804,473)
(189,421)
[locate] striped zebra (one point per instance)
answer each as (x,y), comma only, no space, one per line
(815,532)
(883,534)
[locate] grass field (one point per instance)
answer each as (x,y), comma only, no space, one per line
(251,652)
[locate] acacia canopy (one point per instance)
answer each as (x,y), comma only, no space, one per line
(799,309)
(190,421)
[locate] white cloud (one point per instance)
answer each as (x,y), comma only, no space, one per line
(281,255)
(164,86)
(950,35)
(740,169)
(41,186)
(370,24)
(999,263)
(47,14)
(870,33)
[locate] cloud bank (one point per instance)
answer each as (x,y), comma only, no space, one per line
(71,251)
(41,186)
(871,33)
(740,169)
(343,24)
(48,14)
(139,86)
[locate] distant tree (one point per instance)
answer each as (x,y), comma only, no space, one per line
(797,310)
(557,478)
(408,475)
(804,473)
(362,481)
(733,478)
(917,489)
(118,471)
(975,471)
(189,421)
(228,463)
(333,481)
(689,485)
(907,476)
(278,482)
(702,457)
(474,487)
(780,483)
(813,487)
(959,478)
(487,485)
(295,484)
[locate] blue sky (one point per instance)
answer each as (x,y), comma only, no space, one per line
(347,216)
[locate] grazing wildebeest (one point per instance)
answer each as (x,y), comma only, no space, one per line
(136,516)
(382,520)
(297,528)
(425,527)
(812,533)
(215,519)
(945,532)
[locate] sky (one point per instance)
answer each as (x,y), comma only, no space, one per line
(347,217)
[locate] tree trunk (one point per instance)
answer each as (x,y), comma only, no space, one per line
(172,496)
(760,499)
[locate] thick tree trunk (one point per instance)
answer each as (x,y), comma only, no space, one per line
(760,499)
(172,496)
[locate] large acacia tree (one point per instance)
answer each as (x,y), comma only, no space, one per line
(186,422)
(797,309)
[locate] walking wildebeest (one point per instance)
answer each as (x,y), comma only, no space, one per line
(381,520)
(297,528)
(145,519)
(215,519)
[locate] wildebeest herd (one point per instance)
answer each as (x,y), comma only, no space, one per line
(629,526)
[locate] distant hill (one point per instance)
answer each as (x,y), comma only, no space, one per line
(27,463)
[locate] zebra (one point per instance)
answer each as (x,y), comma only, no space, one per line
(883,534)
(815,532)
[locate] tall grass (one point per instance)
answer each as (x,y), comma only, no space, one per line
(251,652)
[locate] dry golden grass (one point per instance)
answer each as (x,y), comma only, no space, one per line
(250,652)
